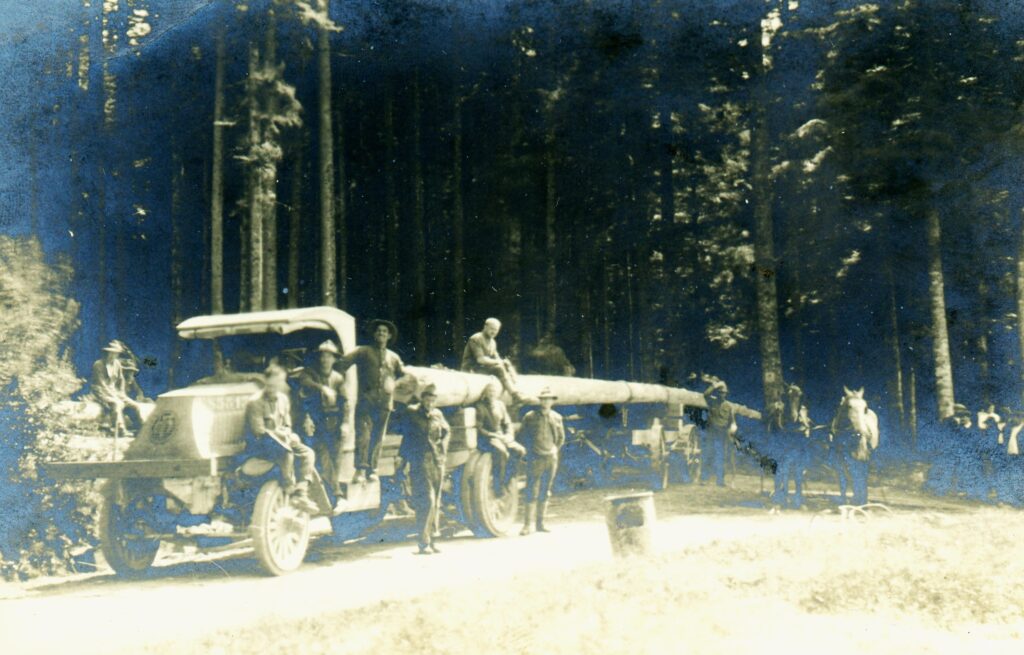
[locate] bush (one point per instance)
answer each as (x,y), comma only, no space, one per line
(45,523)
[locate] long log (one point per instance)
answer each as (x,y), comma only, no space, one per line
(456,388)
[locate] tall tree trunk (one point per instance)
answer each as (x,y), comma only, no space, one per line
(217,184)
(341,207)
(912,392)
(897,352)
(458,227)
(766,266)
(270,208)
(177,262)
(606,321)
(940,331)
(295,227)
(419,228)
(1020,297)
(550,242)
(982,326)
(393,278)
(328,294)
(587,330)
(255,263)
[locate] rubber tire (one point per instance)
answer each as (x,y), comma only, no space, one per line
(124,563)
(270,502)
(489,521)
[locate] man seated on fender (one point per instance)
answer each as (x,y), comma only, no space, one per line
(270,437)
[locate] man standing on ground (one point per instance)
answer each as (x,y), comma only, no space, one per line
(720,430)
(425,436)
(481,356)
(542,435)
(378,369)
(270,437)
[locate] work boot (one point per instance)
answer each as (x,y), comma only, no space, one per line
(371,476)
(531,515)
(302,502)
(542,508)
(434,549)
(359,478)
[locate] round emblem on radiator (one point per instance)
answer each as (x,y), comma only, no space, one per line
(163,428)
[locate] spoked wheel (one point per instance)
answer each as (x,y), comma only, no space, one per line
(280,532)
(494,515)
(123,533)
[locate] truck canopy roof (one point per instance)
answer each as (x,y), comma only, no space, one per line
(282,321)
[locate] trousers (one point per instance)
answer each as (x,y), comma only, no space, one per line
(370,425)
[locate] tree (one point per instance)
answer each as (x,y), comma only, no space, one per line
(217,186)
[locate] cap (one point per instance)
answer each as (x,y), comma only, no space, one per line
(328,347)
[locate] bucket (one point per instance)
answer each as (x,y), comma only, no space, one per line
(630,519)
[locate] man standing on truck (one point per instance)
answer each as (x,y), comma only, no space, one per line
(378,369)
(425,437)
(322,391)
(270,437)
(720,430)
(543,435)
(495,425)
(481,356)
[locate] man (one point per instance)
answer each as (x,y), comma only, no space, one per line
(425,437)
(494,424)
(324,406)
(270,437)
(721,426)
(543,435)
(791,426)
(378,369)
(481,356)
(109,387)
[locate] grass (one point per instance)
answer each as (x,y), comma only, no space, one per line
(921,581)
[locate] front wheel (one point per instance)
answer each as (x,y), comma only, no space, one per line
(124,541)
(280,532)
(493,515)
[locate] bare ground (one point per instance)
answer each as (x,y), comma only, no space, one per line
(936,575)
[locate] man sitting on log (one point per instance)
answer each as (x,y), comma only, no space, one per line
(495,426)
(481,356)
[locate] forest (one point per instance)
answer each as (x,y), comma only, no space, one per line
(819,193)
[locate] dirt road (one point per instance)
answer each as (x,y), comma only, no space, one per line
(184,601)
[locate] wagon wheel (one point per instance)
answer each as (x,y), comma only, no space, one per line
(280,532)
(123,533)
(494,516)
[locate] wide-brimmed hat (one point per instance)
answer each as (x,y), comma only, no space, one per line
(372,326)
(546,392)
(429,390)
(719,384)
(114,347)
(328,347)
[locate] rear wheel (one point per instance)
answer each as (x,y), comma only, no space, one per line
(280,532)
(493,515)
(123,533)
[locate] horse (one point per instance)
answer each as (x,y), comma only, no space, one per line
(854,436)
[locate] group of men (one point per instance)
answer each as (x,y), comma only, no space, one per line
(115,387)
(978,455)
(425,431)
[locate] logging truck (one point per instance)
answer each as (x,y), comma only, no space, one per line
(185,477)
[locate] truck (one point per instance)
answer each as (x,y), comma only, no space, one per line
(185,477)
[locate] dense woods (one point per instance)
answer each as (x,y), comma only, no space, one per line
(818,193)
